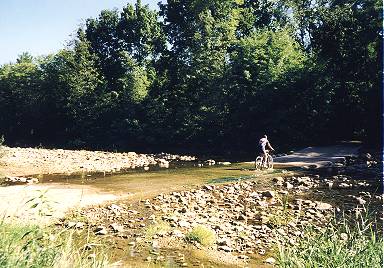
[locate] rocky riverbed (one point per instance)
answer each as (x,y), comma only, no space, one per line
(27,161)
(244,220)
(248,223)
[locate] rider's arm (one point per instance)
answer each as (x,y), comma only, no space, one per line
(270,147)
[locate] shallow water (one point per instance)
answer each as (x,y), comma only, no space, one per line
(146,184)
(154,181)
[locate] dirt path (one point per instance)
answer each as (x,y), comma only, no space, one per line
(318,156)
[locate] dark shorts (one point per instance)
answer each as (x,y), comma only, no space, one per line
(262,150)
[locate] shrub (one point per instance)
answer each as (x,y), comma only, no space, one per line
(203,235)
(156,228)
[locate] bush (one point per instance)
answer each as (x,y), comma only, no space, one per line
(156,228)
(203,235)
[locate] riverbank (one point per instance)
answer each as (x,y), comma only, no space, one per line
(31,161)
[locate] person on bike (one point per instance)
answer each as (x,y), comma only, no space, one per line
(263,144)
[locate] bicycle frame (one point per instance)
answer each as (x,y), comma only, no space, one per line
(261,163)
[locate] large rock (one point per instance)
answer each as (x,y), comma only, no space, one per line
(101,230)
(184,224)
(323,206)
(268,194)
(270,260)
(117,228)
(225,248)
(278,181)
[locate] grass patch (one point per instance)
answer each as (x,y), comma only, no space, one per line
(279,218)
(231,179)
(32,246)
(282,217)
(202,235)
(156,228)
(342,244)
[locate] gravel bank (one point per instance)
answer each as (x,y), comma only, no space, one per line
(27,161)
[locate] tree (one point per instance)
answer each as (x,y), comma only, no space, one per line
(205,75)
(344,38)
(20,98)
(264,68)
(71,91)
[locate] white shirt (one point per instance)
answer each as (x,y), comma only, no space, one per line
(263,142)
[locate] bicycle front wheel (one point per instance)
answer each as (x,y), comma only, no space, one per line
(258,162)
(270,162)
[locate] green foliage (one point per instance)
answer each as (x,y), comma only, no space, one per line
(341,36)
(266,56)
(341,244)
(202,235)
(41,203)
(203,75)
(155,228)
(30,246)
(135,83)
(20,96)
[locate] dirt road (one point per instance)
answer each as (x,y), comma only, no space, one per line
(319,156)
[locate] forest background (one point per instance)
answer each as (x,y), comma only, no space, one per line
(204,76)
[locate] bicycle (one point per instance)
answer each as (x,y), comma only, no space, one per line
(268,164)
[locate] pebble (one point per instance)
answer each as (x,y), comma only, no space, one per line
(243,257)
(79,225)
(225,248)
(184,224)
(101,230)
(268,194)
(117,228)
(270,260)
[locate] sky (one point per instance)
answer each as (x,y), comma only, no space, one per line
(41,27)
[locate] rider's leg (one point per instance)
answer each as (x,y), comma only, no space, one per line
(264,161)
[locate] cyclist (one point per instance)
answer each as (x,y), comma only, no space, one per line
(263,143)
